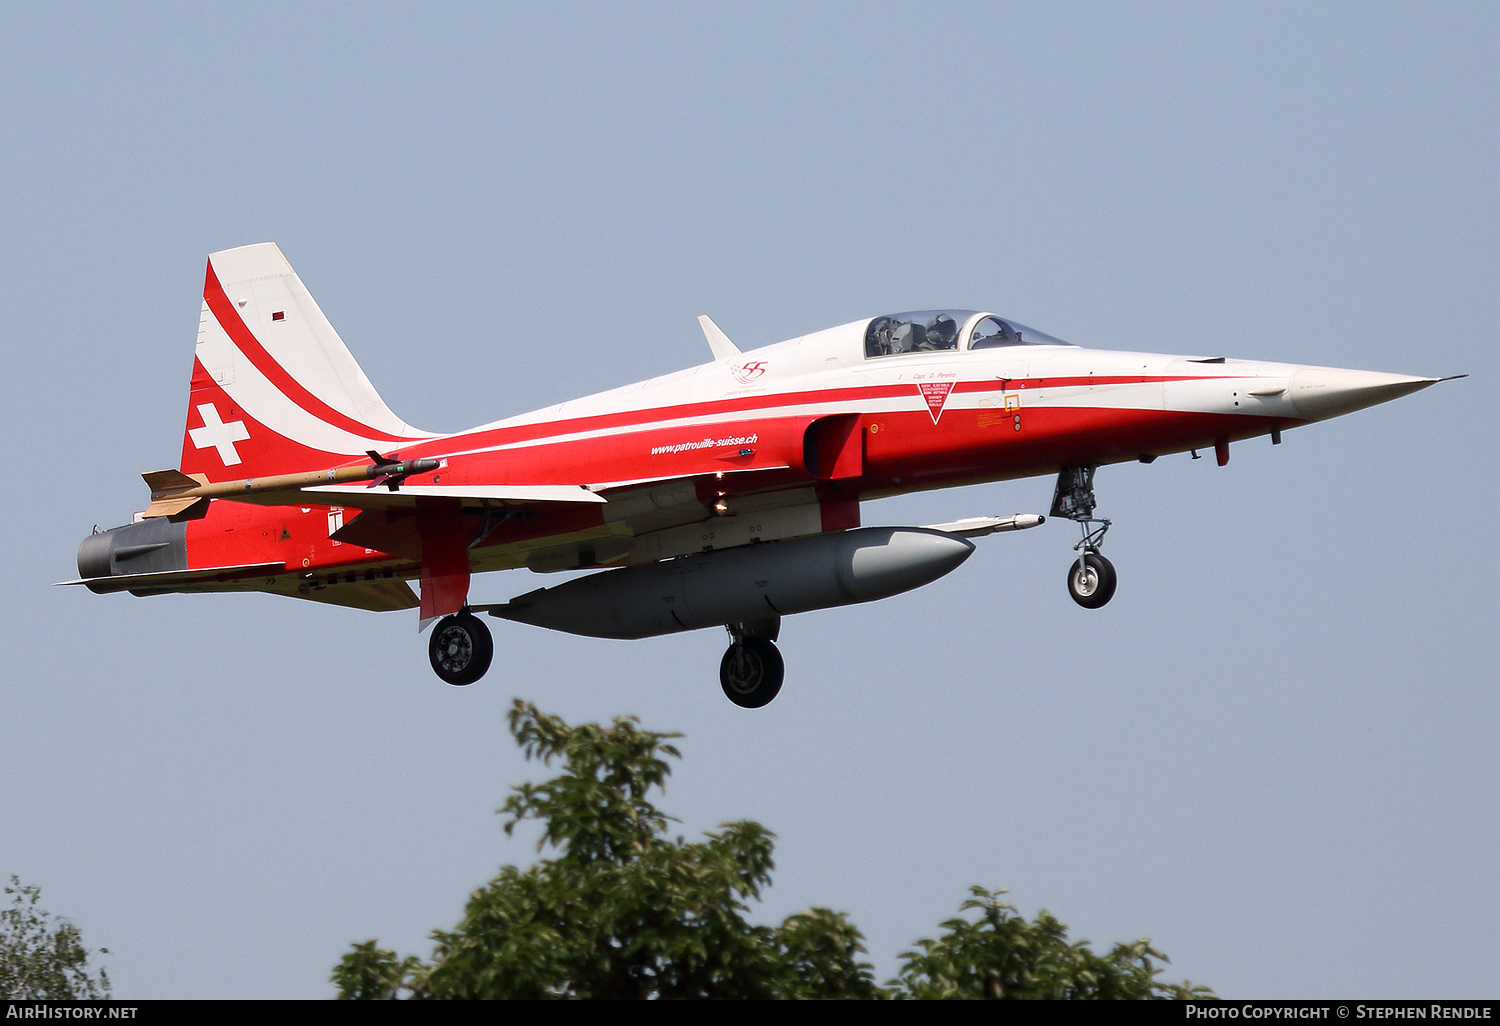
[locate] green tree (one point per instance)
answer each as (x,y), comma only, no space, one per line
(621,910)
(42,958)
(1002,955)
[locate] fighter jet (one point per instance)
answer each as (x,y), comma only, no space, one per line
(726,495)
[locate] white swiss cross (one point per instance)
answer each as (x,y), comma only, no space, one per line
(218,435)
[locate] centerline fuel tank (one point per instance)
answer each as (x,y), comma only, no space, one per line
(751,582)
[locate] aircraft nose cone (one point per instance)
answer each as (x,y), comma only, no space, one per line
(1322,392)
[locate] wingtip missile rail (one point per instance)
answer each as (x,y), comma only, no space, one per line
(180,496)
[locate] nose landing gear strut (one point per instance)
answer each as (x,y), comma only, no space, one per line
(1091,579)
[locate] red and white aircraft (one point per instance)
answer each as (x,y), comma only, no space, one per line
(724,495)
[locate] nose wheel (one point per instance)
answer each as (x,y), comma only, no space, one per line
(460,649)
(1091,578)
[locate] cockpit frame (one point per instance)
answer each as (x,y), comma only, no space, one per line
(932,331)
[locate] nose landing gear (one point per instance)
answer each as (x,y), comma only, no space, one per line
(1091,579)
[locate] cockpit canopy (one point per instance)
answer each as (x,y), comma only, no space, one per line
(930,331)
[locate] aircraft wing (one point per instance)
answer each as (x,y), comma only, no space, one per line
(180,496)
(406,496)
(387,521)
(375,596)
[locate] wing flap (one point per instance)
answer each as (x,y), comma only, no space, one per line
(376,597)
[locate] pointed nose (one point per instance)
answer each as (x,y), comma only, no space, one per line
(1322,392)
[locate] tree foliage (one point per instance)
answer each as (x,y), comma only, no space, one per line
(622,910)
(1002,955)
(42,958)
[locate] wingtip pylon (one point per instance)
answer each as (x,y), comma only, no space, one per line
(717,340)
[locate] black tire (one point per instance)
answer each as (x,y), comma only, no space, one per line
(1093,583)
(460,649)
(751,673)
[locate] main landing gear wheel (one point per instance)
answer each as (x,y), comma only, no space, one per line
(460,648)
(1091,580)
(751,672)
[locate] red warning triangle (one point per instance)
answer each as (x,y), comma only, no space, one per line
(936,394)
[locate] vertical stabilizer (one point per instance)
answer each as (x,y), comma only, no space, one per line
(274,388)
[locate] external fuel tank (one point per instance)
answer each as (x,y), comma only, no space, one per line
(748,583)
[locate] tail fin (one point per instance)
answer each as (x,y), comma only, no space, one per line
(274,389)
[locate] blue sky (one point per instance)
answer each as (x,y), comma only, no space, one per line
(1273,753)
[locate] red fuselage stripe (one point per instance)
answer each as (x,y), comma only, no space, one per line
(764,405)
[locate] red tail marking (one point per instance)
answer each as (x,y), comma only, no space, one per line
(229,318)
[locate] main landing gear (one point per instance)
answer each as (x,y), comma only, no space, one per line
(752,669)
(1091,579)
(460,648)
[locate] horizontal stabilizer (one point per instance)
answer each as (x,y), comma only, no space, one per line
(206,578)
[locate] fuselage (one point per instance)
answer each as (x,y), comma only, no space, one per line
(728,494)
(786,440)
